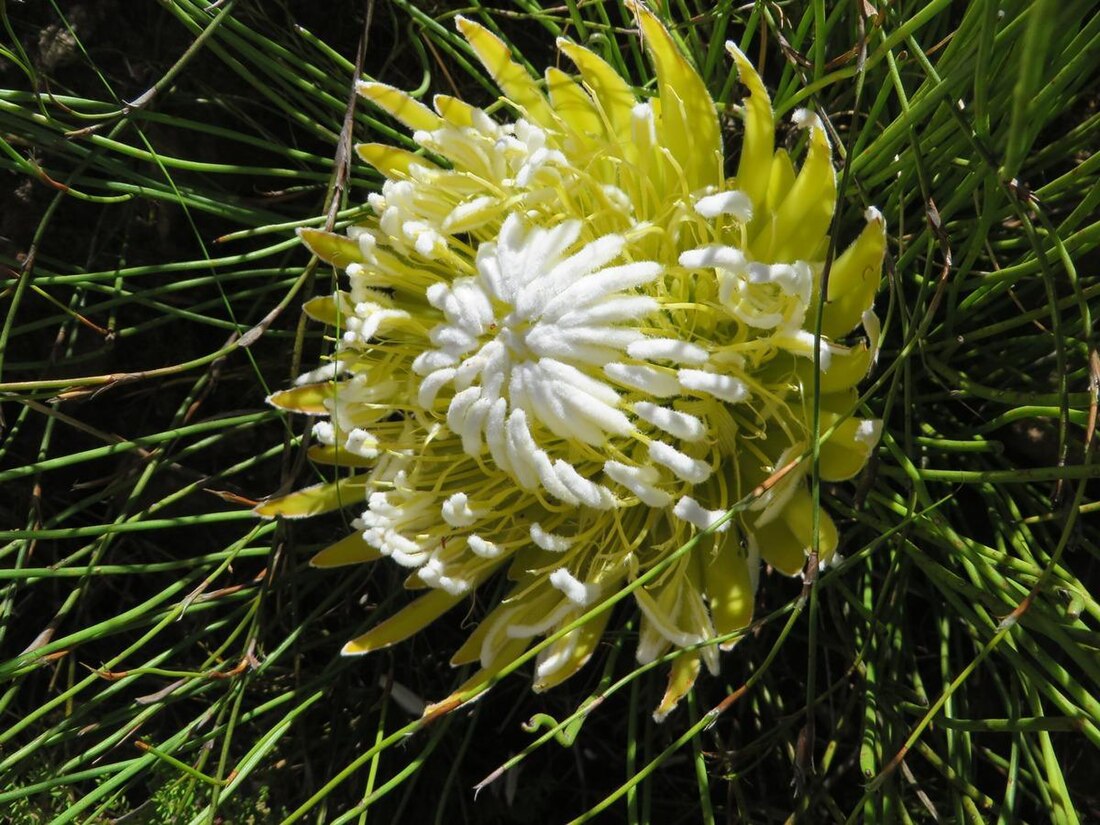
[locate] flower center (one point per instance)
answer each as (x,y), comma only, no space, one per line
(513,335)
(524,341)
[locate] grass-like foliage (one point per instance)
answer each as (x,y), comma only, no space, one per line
(167,657)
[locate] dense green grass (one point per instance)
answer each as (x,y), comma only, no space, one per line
(167,657)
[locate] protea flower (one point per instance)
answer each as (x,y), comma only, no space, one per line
(570,342)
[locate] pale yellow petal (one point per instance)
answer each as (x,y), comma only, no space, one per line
(317,499)
(758,143)
(780,180)
(854,279)
(729,586)
(512,78)
(574,107)
(398,104)
(324,308)
(802,220)
(349,550)
(331,454)
(612,97)
(846,368)
(338,250)
(455,112)
(574,650)
(847,450)
(391,161)
(410,619)
(688,119)
(784,541)
(507,654)
(681,678)
(308,399)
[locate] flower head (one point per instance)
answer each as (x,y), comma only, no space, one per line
(570,343)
